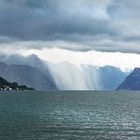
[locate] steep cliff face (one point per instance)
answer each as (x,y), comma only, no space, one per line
(27,75)
(111,77)
(132,82)
(67,76)
(86,77)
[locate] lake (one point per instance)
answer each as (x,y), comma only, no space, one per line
(70,115)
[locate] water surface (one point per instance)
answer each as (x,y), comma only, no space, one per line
(69,115)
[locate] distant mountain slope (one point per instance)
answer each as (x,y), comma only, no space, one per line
(5,85)
(87,77)
(132,82)
(111,77)
(67,76)
(24,74)
(31,60)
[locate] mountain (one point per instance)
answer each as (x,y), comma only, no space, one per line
(67,76)
(111,77)
(31,60)
(5,85)
(26,75)
(132,82)
(86,77)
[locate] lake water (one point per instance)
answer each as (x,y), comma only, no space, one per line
(69,115)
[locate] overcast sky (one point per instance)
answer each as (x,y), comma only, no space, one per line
(76,25)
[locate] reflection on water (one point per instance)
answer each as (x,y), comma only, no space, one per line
(69,115)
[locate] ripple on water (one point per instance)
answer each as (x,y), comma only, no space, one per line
(70,115)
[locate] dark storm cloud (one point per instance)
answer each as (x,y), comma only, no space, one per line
(44,19)
(104,25)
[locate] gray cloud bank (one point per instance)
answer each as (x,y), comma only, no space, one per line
(104,25)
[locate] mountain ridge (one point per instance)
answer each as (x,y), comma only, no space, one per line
(132,81)
(28,75)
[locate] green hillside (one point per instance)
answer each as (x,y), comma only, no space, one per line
(5,85)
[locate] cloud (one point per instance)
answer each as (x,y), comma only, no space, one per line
(32,20)
(81,25)
(125,61)
(98,45)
